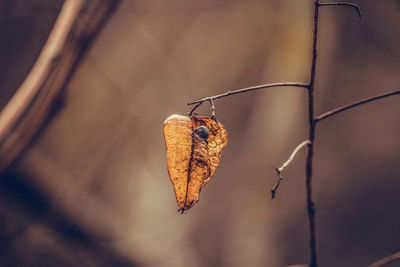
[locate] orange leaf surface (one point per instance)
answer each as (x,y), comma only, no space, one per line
(194,149)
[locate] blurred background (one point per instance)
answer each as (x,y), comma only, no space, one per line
(92,188)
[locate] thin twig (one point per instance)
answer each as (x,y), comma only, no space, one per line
(212,109)
(278,182)
(285,165)
(353,105)
(191,112)
(248,89)
(300,146)
(386,260)
(355,6)
(244,90)
(311,134)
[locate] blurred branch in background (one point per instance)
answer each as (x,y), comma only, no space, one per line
(21,118)
(386,260)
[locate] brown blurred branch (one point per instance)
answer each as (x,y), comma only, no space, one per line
(285,165)
(386,260)
(355,6)
(353,105)
(45,62)
(77,23)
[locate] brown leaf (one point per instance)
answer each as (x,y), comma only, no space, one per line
(194,149)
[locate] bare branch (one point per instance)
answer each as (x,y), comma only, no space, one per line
(353,105)
(285,165)
(355,6)
(248,89)
(310,150)
(388,259)
(300,146)
(245,90)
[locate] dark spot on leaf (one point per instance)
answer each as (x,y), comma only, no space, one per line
(203,132)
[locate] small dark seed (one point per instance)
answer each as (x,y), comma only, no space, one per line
(203,132)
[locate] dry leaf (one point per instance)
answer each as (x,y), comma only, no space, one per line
(194,147)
